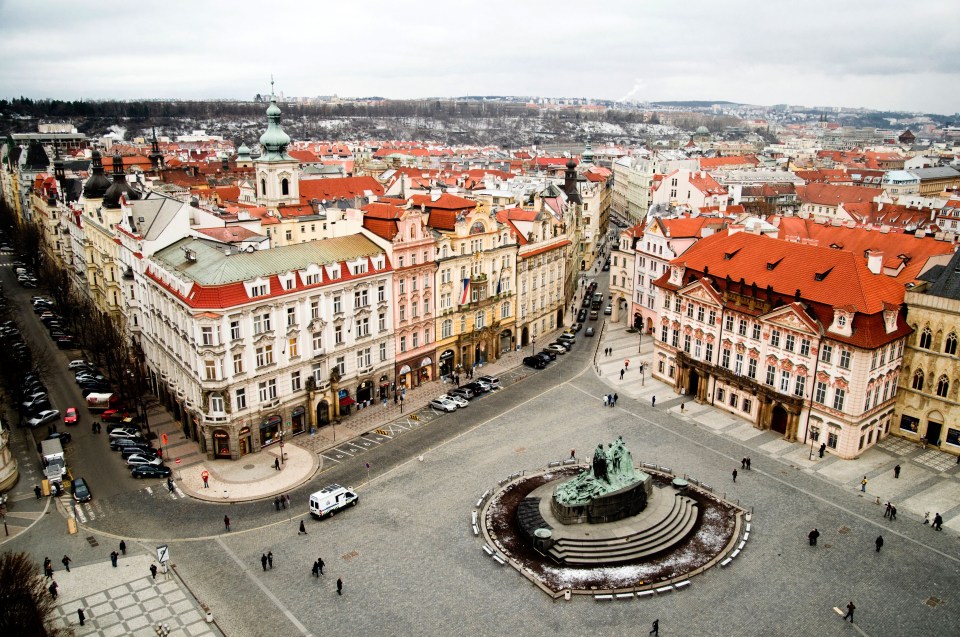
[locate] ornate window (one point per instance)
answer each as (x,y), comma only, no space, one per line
(918,380)
(950,347)
(943,386)
(926,338)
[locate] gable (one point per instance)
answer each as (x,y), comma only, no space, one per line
(792,317)
(703,292)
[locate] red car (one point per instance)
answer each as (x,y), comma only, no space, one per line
(114,415)
(71,418)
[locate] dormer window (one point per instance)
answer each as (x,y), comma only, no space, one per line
(841,321)
(259,290)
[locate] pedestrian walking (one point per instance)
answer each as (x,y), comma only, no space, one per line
(655,629)
(850,609)
(276,464)
(153,571)
(47,568)
(37,491)
(276,503)
(303,529)
(606,399)
(743,463)
(938,522)
(734,475)
(886,513)
(653,401)
(823,447)
(287,498)
(81,616)
(621,373)
(113,558)
(863,485)
(573,454)
(879,542)
(626,364)
(681,407)
(66,563)
(205,476)
(53,589)
(315,570)
(748,464)
(170,485)
(813,536)
(896,472)
(270,559)
(123,547)
(226,522)
(616,397)
(320,564)
(339,586)
(263,561)
(893,513)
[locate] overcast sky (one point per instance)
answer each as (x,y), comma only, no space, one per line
(880,54)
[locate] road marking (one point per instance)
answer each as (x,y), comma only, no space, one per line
(266,591)
(326,457)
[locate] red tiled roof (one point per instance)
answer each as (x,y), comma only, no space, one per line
(304,156)
(711,163)
(446,201)
(832,194)
(338,188)
(232,234)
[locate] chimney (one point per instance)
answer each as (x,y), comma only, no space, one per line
(874,261)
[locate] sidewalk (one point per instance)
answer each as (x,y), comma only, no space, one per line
(254,477)
(929,479)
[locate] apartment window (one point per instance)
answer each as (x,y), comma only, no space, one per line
(675,340)
(337,334)
(820,394)
(210,369)
(734,399)
(234,330)
(839,396)
(720,392)
(752,368)
(295,383)
(728,323)
(291,316)
(712,317)
(403,286)
(804,347)
(775,338)
(363,358)
(883,355)
(845,359)
(478,320)
(381,293)
(790,342)
(383,352)
(666,301)
(742,328)
(206,335)
(784,381)
(316,370)
(747,405)
(258,290)
(403,343)
(414,310)
(866,403)
(725,358)
(314,309)
(415,340)
(268,390)
(265,355)
(363,327)
(676,304)
(663,333)
(709,357)
(216,403)
(337,305)
(403,312)
(261,323)
(240,398)
(382,321)
(341,365)
(686,343)
(738,364)
(317,343)
(771,375)
(873,361)
(801,386)
(700,313)
(826,354)
(426,335)
(505,310)
(756,331)
(689,310)
(238,362)
(697,348)
(446,329)
(293,346)
(833,437)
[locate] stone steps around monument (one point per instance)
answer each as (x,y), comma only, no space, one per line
(663,534)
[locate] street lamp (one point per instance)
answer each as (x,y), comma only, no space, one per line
(280,436)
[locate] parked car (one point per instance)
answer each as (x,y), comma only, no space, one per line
(582,316)
(555,348)
(464,392)
(576,327)
(565,344)
(150,471)
(594,315)
(607,311)
(549,353)
(535,362)
(567,335)
(493,381)
(141,449)
(140,459)
(88,376)
(124,432)
(45,416)
(79,364)
(71,417)
(459,401)
(590,332)
(94,388)
(81,492)
(67,343)
(477,387)
(443,405)
(116,444)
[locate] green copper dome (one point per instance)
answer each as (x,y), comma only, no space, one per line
(274,140)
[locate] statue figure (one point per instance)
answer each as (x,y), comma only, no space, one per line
(600,464)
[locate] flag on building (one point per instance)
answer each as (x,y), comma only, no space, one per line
(465,297)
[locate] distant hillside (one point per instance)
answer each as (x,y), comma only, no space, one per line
(694,103)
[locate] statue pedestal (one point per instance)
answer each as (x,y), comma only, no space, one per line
(610,507)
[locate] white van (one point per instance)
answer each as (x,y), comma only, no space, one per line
(331,499)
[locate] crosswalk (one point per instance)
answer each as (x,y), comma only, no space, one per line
(95,509)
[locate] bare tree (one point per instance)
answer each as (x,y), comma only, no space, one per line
(27,606)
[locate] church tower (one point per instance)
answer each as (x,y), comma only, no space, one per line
(278,174)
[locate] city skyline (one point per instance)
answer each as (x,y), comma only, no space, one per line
(851,55)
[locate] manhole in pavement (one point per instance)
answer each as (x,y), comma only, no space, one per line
(92,541)
(249,466)
(843,530)
(828,546)
(933,602)
(350,555)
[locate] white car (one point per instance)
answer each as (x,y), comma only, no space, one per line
(125,432)
(45,416)
(456,400)
(556,349)
(443,405)
(138,459)
(493,381)
(78,364)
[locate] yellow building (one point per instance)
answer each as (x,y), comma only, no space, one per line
(927,408)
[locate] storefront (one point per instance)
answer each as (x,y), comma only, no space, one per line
(446,362)
(298,421)
(506,341)
(402,380)
(221,444)
(246,441)
(365,393)
(323,413)
(424,373)
(269,429)
(343,395)
(383,391)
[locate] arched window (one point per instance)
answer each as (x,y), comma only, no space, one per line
(918,380)
(951,345)
(263,187)
(447,329)
(926,338)
(443,252)
(943,386)
(285,187)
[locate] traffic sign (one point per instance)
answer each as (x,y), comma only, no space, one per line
(163,438)
(177,460)
(163,554)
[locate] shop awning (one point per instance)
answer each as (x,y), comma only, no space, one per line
(346,401)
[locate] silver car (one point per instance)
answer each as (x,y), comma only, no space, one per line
(138,459)
(456,400)
(48,415)
(443,405)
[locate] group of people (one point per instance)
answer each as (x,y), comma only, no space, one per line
(281,501)
(610,400)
